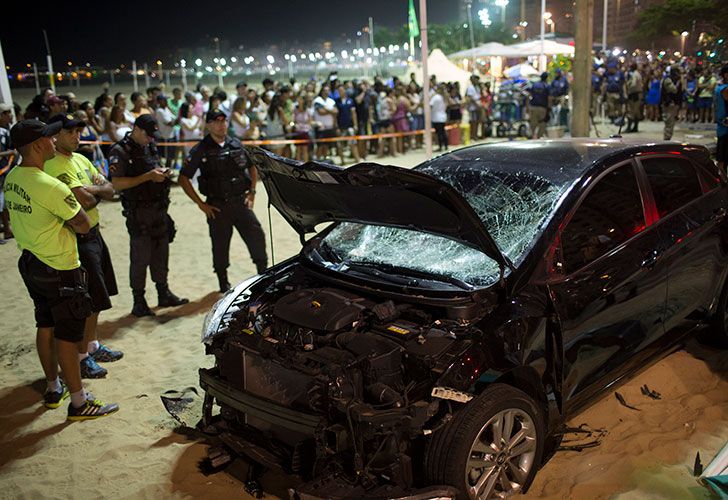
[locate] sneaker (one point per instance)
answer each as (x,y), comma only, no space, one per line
(106,355)
(53,400)
(91,409)
(91,369)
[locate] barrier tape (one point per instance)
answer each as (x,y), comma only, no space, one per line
(278,142)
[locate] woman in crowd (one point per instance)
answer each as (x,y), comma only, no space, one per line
(190,125)
(276,126)
(385,109)
(116,126)
(438,104)
(400,122)
(652,99)
(302,120)
(239,121)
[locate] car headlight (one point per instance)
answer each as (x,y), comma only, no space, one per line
(211,325)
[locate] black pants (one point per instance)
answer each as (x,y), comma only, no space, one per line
(96,260)
(60,297)
(234,213)
(149,236)
(441,135)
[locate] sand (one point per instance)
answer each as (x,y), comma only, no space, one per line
(137,454)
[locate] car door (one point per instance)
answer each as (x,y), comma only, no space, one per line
(691,205)
(608,283)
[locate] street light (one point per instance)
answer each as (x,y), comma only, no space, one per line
(548,19)
(502,4)
(484,17)
(683,36)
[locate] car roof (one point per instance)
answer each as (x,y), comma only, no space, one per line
(559,161)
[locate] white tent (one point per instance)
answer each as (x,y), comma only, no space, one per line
(439,65)
(485,50)
(521,71)
(533,48)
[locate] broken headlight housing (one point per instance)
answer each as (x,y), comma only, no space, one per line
(213,319)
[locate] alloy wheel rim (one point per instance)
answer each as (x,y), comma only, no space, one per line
(502,455)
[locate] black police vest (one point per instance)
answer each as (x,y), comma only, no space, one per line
(223,173)
(148,193)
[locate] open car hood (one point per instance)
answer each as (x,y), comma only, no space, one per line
(308,194)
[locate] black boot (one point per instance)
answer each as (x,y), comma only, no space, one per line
(628,129)
(140,308)
(261,266)
(634,128)
(222,278)
(167,298)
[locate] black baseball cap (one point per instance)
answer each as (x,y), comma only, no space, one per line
(68,122)
(214,114)
(149,125)
(27,131)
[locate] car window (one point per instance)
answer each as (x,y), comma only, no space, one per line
(610,214)
(709,179)
(674,183)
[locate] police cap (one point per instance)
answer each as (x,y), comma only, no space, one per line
(214,114)
(68,122)
(149,125)
(27,131)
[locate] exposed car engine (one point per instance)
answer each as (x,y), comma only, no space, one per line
(347,382)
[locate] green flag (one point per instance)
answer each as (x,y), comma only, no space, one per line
(414,28)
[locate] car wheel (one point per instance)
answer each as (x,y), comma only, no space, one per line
(492,449)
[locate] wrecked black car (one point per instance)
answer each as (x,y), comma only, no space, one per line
(433,339)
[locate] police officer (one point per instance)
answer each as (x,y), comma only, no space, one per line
(89,188)
(560,96)
(634,98)
(135,172)
(614,90)
(671,96)
(227,180)
(45,215)
(538,106)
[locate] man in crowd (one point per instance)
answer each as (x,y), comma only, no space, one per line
(139,105)
(8,158)
(706,89)
(538,106)
(227,180)
(89,188)
(634,98)
(347,122)
(474,107)
(56,105)
(144,186)
(671,97)
(596,86)
(45,216)
(721,118)
(166,120)
(324,112)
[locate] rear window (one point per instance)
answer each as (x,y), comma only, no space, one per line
(674,183)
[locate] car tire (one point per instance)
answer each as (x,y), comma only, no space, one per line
(470,437)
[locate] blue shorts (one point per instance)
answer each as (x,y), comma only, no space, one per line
(705,102)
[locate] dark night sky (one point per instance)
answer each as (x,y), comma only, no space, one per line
(115,32)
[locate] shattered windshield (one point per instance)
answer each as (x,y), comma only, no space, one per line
(513,206)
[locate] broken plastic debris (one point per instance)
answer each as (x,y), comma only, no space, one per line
(621,400)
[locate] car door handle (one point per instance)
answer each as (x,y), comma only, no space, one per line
(650,260)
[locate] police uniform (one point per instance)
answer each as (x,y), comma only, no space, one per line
(614,86)
(225,182)
(634,100)
(671,96)
(149,226)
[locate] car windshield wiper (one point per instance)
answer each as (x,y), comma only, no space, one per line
(384,270)
(373,270)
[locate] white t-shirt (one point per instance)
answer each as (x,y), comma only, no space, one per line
(163,116)
(327,121)
(240,130)
(129,117)
(192,122)
(474,95)
(439,114)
